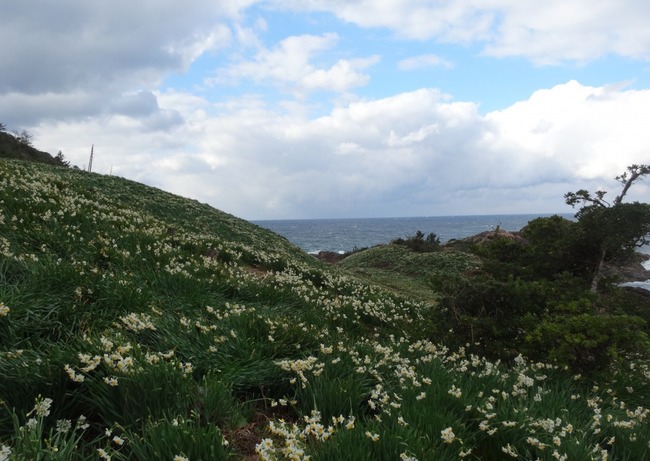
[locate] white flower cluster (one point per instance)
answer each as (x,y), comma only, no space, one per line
(300,367)
(5,452)
(137,322)
(294,438)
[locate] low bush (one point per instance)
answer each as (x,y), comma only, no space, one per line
(419,243)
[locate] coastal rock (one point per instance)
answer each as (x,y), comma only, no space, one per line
(629,271)
(330,257)
(485,237)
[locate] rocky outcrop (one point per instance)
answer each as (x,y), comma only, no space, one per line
(628,271)
(484,237)
(330,257)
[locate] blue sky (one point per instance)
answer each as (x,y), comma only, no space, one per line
(464,71)
(306,109)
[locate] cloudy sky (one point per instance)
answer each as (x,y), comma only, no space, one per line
(338,108)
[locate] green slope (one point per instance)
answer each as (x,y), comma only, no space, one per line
(135,324)
(403,271)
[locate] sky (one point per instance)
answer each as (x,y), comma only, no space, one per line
(292,109)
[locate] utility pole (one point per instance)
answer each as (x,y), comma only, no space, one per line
(90,163)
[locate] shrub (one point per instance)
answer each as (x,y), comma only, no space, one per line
(491,312)
(419,243)
(60,158)
(587,342)
(559,245)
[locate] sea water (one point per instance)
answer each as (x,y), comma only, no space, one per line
(343,235)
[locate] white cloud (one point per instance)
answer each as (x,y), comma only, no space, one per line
(91,74)
(546,32)
(580,30)
(288,61)
(460,20)
(442,157)
(291,63)
(423,61)
(341,77)
(84,57)
(593,132)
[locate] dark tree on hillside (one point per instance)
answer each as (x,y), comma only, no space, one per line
(3,127)
(61,159)
(24,138)
(615,228)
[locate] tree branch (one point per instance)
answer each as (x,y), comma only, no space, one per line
(636,172)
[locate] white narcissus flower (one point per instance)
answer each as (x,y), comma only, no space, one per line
(447,435)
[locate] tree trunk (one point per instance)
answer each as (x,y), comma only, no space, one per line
(597,273)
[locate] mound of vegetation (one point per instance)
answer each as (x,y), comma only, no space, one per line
(533,297)
(402,270)
(135,324)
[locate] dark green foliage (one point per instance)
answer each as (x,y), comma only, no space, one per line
(557,245)
(168,438)
(13,147)
(532,295)
(152,392)
(419,243)
(588,343)
(493,313)
(61,159)
(618,229)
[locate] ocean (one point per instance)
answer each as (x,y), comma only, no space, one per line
(343,235)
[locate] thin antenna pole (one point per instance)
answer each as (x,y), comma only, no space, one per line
(90,163)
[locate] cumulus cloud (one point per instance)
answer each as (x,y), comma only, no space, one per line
(290,62)
(372,157)
(339,78)
(415,153)
(594,132)
(71,45)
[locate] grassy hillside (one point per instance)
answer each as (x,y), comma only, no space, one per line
(403,271)
(135,324)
